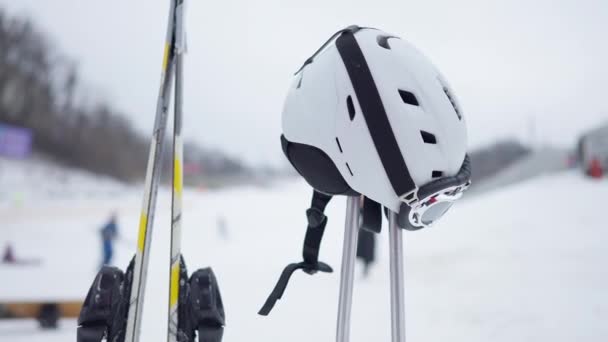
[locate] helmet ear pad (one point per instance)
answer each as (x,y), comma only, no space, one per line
(316,168)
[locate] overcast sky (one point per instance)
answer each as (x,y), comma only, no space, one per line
(511,62)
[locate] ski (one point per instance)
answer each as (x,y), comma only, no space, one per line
(138,286)
(113,307)
(176,196)
(195,304)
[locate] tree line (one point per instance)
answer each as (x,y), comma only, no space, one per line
(40,89)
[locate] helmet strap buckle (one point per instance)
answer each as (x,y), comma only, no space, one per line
(410,198)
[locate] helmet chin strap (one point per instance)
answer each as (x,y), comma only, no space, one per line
(372,221)
(310,252)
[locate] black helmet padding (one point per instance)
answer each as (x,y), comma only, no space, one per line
(317,168)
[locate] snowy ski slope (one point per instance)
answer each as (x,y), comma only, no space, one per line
(526,263)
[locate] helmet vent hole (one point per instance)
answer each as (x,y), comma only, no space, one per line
(339,146)
(349,170)
(408,98)
(351,108)
(383,41)
(453,102)
(437,174)
(428,138)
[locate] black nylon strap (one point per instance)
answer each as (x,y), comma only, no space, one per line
(374,113)
(310,252)
(281,285)
(316,227)
(309,60)
(372,216)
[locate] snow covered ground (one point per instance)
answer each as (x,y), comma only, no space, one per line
(40,180)
(525,263)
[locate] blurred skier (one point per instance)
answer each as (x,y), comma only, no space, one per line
(109,233)
(9,256)
(366,248)
(222,227)
(366,242)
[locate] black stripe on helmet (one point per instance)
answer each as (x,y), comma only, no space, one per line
(374,114)
(309,60)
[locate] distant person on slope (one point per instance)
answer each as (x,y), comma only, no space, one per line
(366,247)
(9,256)
(366,243)
(222,227)
(109,233)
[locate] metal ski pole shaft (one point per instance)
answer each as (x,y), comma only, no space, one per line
(133,326)
(397,280)
(176,199)
(347,271)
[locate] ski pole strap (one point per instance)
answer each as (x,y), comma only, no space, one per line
(310,252)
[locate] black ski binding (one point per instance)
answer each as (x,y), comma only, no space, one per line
(103,316)
(200,308)
(104,312)
(207,309)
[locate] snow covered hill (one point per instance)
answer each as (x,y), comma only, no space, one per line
(39,179)
(527,262)
(543,161)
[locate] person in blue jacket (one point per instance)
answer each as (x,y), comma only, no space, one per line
(109,233)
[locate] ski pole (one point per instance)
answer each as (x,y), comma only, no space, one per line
(347,271)
(397,283)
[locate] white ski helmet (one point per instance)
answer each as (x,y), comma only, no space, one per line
(369,114)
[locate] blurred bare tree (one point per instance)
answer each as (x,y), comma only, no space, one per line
(38,90)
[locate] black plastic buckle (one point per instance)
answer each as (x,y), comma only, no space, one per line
(315,217)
